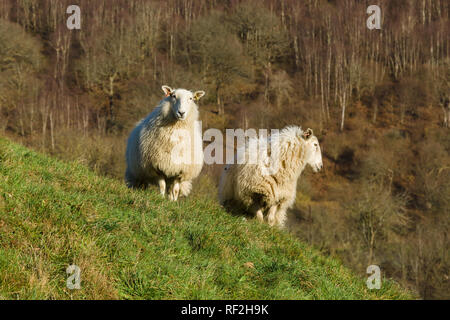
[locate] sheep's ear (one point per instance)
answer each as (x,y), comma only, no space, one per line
(198,95)
(308,133)
(167,90)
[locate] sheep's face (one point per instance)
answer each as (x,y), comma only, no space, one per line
(313,153)
(182,101)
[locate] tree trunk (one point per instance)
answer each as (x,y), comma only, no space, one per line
(343,105)
(44,123)
(111,117)
(52,137)
(375,111)
(220,110)
(446,112)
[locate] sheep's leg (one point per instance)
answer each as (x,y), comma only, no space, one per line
(259,215)
(258,212)
(280,216)
(271,217)
(162,186)
(130,179)
(174,191)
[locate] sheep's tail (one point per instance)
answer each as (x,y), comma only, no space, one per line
(185,188)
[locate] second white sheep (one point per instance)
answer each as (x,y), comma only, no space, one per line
(267,186)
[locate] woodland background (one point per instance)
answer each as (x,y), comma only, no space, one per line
(378,100)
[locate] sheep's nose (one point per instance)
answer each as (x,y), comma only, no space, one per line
(181,113)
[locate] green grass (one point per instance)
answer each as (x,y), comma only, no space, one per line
(135,245)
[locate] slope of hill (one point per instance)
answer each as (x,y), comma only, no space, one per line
(135,245)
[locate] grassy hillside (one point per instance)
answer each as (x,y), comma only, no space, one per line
(135,245)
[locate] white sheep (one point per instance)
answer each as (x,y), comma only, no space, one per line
(267,185)
(165,148)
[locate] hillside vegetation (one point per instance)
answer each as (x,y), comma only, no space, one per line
(135,245)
